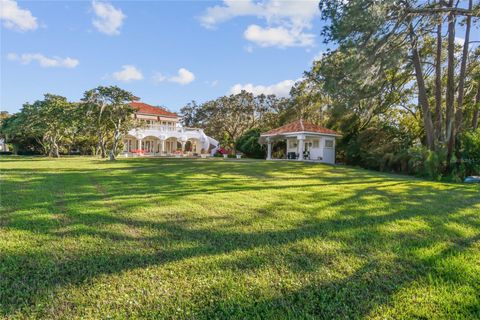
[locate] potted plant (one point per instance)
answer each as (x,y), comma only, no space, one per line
(223,152)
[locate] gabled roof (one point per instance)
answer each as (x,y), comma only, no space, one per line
(144,108)
(300,126)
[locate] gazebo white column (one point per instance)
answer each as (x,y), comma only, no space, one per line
(301,146)
(163,146)
(139,144)
(269,149)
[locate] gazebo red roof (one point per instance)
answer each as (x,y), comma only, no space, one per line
(300,126)
(148,109)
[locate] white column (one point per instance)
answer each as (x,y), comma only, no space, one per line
(139,144)
(163,147)
(183,146)
(301,146)
(269,149)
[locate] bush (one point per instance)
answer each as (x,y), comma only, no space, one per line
(426,163)
(248,144)
(471,152)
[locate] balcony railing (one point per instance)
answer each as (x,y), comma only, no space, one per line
(164,128)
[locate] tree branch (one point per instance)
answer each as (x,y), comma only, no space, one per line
(457,11)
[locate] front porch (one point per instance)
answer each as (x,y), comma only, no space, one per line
(304,148)
(156,147)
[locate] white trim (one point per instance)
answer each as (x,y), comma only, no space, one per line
(156,115)
(300,132)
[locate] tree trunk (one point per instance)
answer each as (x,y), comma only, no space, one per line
(53,148)
(116,138)
(450,96)
(438,86)
(103,148)
(112,155)
(463,70)
(56,152)
(476,110)
(422,94)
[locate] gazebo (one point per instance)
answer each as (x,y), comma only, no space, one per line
(305,141)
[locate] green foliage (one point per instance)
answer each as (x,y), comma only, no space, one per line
(227,118)
(50,122)
(248,144)
(471,152)
(368,88)
(426,163)
(13,129)
(111,114)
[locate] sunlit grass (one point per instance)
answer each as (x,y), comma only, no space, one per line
(177,238)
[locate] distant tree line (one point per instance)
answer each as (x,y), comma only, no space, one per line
(93,126)
(228,118)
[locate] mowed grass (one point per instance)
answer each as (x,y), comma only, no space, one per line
(204,239)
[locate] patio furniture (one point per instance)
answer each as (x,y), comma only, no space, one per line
(291,155)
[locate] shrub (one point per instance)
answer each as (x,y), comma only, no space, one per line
(248,144)
(426,163)
(471,152)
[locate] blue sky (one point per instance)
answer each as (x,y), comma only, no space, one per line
(167,53)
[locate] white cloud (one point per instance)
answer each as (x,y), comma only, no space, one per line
(14,17)
(281,89)
(44,61)
(295,13)
(278,37)
(211,83)
(230,9)
(286,20)
(128,73)
(109,19)
(183,77)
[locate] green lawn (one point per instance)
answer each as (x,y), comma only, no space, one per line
(174,238)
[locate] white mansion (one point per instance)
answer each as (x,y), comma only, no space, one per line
(162,134)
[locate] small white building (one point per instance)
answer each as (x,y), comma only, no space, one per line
(305,141)
(161,134)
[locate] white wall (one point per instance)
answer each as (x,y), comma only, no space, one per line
(324,152)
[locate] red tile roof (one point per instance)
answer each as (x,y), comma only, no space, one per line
(148,109)
(300,126)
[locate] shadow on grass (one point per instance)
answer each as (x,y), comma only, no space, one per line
(82,201)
